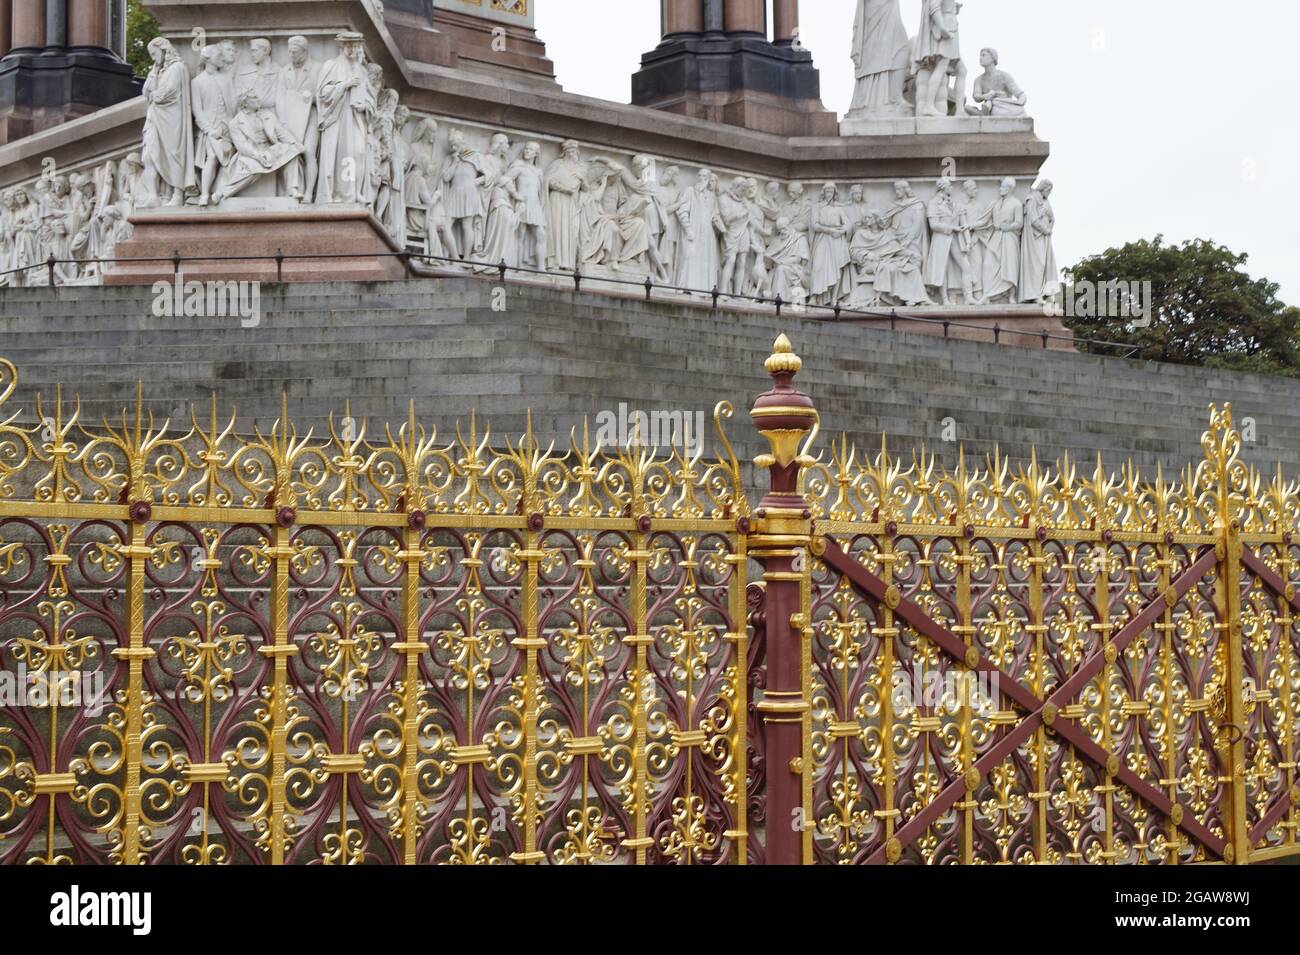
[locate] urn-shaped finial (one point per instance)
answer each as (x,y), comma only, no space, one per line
(784,416)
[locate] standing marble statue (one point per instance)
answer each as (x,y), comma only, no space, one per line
(525,176)
(213,149)
(668,196)
(830,230)
(733,210)
(460,182)
(390,195)
(936,54)
(698,256)
(168,150)
(345,105)
(1039,278)
(1001,272)
(975,229)
(881,55)
(261,76)
(501,231)
(564,183)
(948,265)
(297,109)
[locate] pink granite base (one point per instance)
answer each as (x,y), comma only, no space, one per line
(351,243)
(1021,326)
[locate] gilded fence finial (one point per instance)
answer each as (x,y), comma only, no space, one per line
(784,416)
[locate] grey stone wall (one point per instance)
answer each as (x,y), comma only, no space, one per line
(571,356)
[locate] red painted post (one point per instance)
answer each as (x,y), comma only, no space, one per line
(780,541)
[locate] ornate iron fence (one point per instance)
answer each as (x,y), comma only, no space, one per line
(393,649)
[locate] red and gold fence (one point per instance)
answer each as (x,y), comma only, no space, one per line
(367,651)
(395,649)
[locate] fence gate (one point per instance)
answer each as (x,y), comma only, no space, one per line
(391,648)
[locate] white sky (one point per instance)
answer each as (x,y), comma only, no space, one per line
(1166,117)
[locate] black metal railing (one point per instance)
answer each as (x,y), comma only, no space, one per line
(502,270)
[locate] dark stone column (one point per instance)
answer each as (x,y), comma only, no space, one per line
(714,20)
(56,26)
(61,66)
(715,62)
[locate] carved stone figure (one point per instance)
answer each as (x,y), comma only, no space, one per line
(612,231)
(936,54)
(830,230)
(697,257)
(565,181)
(168,150)
(975,231)
(733,210)
(1001,273)
(297,109)
(390,166)
(670,199)
(26,227)
(1039,277)
(900,271)
(345,105)
(995,91)
(262,147)
(501,233)
(8,224)
(798,207)
(755,269)
(460,183)
(881,55)
(787,262)
(212,115)
(426,215)
(261,75)
(525,175)
(948,265)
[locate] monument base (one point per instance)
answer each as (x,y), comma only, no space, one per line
(740,81)
(39,91)
(934,125)
(1020,326)
(350,241)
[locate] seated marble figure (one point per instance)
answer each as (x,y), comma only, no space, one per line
(263,147)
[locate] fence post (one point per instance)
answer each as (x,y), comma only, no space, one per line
(137,553)
(1229,480)
(780,541)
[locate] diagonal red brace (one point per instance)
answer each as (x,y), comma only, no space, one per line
(875,589)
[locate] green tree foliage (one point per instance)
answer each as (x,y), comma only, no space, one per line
(1207,309)
(141,27)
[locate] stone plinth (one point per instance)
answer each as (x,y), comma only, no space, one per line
(41,90)
(935,125)
(354,239)
(1020,326)
(738,80)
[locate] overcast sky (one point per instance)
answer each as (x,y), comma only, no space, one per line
(1181,118)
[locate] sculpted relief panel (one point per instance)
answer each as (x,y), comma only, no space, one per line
(257,127)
